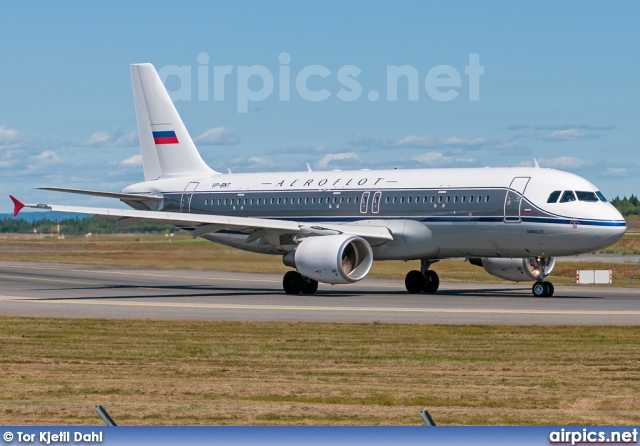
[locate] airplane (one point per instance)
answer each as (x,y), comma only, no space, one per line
(329,226)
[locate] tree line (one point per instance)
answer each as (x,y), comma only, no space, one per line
(77,226)
(627,206)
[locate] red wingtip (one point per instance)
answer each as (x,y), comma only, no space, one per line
(17,205)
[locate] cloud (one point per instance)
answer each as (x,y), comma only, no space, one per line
(48,155)
(304,150)
(616,171)
(431,141)
(364,141)
(438,159)
(100,140)
(570,135)
(574,126)
(561,162)
(13,139)
(135,160)
(328,158)
(217,136)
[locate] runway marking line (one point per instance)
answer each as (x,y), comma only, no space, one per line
(346,309)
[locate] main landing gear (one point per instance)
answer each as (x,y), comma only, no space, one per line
(424,280)
(542,288)
(295,283)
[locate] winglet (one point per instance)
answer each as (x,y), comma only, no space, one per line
(17,205)
(535,164)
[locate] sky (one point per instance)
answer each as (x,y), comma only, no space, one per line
(338,85)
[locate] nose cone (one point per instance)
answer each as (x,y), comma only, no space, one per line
(617,226)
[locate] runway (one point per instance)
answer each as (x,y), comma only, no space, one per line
(87,291)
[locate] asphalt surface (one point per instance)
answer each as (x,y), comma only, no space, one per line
(86,291)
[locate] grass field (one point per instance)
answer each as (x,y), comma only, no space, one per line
(175,372)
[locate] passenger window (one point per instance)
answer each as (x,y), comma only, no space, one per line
(313,200)
(448,198)
(464,198)
(487,199)
(424,200)
(471,199)
(568,196)
(306,200)
(355,200)
(348,200)
(586,195)
(433,198)
(386,200)
(440,199)
(226,200)
(553,197)
(479,198)
(320,200)
(402,199)
(395,199)
(206,202)
(600,196)
(455,199)
(410,198)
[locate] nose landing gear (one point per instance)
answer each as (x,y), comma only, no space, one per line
(542,288)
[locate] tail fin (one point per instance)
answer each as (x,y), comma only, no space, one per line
(167,148)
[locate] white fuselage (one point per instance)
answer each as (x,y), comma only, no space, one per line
(485,212)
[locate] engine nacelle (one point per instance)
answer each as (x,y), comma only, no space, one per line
(518,270)
(332,258)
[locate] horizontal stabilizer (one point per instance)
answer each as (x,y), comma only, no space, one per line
(129,197)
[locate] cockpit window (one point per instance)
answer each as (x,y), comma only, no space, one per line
(600,196)
(586,195)
(554,196)
(568,196)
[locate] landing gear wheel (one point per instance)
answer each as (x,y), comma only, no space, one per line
(538,289)
(293,282)
(431,282)
(542,289)
(550,289)
(310,287)
(414,282)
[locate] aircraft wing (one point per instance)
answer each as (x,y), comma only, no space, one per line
(204,223)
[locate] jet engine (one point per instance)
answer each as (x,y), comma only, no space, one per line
(332,258)
(526,269)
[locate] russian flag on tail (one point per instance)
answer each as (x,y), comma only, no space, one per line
(527,212)
(168,137)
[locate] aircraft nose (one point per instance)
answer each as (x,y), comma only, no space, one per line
(618,225)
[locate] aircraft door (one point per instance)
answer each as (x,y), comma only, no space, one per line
(187,195)
(513,199)
(364,202)
(375,205)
